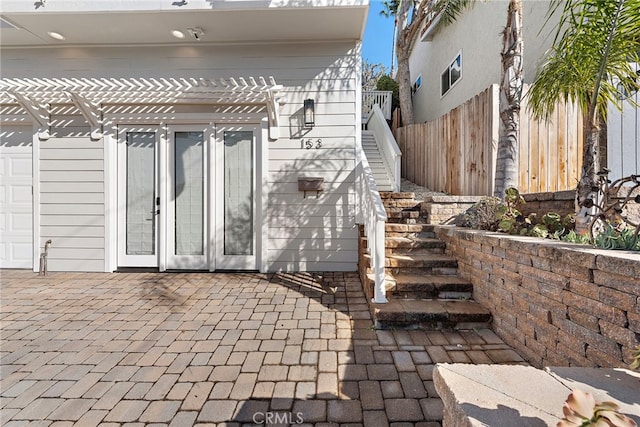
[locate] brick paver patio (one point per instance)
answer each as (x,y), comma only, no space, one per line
(215,349)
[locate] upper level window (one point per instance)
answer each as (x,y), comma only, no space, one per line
(416,85)
(451,75)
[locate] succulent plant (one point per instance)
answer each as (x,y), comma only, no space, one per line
(635,363)
(582,410)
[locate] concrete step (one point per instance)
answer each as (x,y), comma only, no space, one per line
(416,245)
(430,314)
(397,195)
(409,228)
(420,261)
(418,286)
(416,264)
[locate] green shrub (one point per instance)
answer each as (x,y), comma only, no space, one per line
(573,237)
(483,215)
(493,214)
(385,82)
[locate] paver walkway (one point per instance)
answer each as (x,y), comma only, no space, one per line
(215,349)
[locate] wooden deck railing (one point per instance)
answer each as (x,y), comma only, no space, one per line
(381,98)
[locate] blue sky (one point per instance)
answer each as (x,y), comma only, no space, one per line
(378,36)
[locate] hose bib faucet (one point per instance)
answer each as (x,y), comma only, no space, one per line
(43,259)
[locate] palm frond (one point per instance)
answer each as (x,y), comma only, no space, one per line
(595,42)
(390,8)
(450,9)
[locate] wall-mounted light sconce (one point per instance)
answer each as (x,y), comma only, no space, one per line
(309,113)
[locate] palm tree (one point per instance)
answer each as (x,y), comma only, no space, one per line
(596,42)
(390,8)
(511,83)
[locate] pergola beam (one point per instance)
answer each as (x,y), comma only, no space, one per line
(37,112)
(273,112)
(91,113)
(88,94)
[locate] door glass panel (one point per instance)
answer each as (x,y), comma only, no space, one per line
(189,193)
(141,219)
(238,193)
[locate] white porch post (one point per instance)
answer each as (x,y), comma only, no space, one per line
(378,252)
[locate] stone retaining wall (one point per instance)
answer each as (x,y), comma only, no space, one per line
(445,209)
(561,202)
(556,303)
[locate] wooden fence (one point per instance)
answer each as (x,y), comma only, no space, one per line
(456,153)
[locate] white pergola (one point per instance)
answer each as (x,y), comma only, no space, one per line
(91,94)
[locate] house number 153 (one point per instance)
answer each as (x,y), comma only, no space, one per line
(309,144)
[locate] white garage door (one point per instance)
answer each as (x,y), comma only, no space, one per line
(16,235)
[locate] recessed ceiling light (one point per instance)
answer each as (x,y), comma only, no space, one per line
(177,34)
(56,36)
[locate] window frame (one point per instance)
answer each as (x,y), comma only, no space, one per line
(417,84)
(454,64)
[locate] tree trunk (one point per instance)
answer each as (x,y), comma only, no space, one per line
(403,77)
(403,50)
(510,96)
(587,186)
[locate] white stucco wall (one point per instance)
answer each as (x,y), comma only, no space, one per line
(478,34)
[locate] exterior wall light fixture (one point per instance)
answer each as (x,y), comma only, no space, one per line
(309,113)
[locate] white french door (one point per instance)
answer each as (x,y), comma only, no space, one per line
(235,159)
(187,197)
(187,203)
(138,196)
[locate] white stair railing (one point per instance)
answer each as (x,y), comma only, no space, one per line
(386,144)
(381,98)
(372,215)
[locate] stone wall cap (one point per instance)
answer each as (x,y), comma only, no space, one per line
(452,199)
(487,395)
(614,261)
(549,195)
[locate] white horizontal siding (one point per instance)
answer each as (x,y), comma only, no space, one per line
(67,264)
(317,231)
(281,226)
(72,203)
(328,143)
(311,201)
(75,165)
(67,122)
(63,209)
(72,176)
(325,72)
(330,243)
(326,212)
(61,231)
(312,154)
(329,176)
(306,167)
(329,188)
(72,198)
(291,64)
(79,242)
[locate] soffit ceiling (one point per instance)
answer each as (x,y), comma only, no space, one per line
(268,25)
